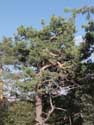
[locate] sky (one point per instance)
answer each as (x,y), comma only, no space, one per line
(14,13)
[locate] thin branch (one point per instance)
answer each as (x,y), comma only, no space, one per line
(60,64)
(50,111)
(87,77)
(70,120)
(45,67)
(42,69)
(52,54)
(60,109)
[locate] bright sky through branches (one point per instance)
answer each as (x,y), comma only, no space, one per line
(14,13)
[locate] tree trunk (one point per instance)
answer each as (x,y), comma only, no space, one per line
(38,105)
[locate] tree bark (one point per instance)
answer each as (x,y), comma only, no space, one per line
(38,105)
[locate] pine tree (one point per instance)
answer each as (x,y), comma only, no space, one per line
(62,82)
(53,53)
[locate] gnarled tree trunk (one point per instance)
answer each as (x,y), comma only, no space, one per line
(38,105)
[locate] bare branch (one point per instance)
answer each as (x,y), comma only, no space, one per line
(50,111)
(70,120)
(52,54)
(60,109)
(45,67)
(42,69)
(60,64)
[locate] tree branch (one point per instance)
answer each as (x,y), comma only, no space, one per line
(60,109)
(50,111)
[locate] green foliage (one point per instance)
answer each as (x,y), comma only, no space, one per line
(7,51)
(58,63)
(19,113)
(52,46)
(87,10)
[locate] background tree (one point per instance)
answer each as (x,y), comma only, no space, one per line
(87,51)
(85,76)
